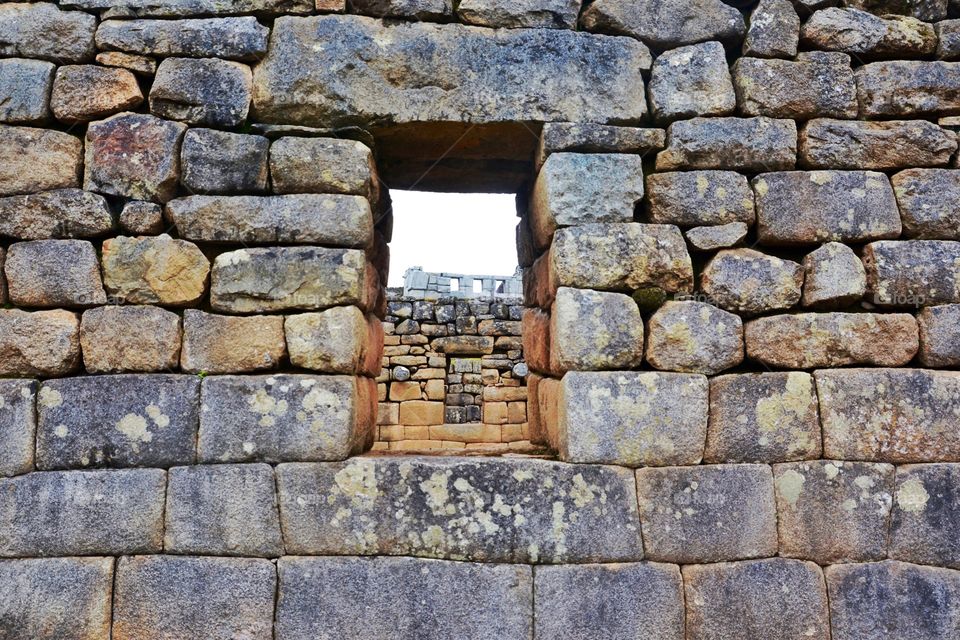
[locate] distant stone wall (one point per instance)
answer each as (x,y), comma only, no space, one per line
(424,285)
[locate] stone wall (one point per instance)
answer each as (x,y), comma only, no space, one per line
(740,245)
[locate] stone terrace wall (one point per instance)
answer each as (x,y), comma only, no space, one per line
(742,289)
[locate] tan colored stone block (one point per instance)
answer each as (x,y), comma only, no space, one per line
(429,374)
(435,389)
(495,412)
(421,413)
(381,392)
(154,270)
(33,160)
(512,433)
(231,344)
(472,432)
(516,412)
(388,413)
(41,343)
(393,432)
(414,445)
(416,432)
(121,339)
(338,340)
(82,93)
(504,394)
(401,391)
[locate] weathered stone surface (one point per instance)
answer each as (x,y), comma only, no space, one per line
(413,599)
(18,424)
(833,511)
(864,34)
(912,273)
(834,277)
(814,85)
(693,198)
(774,598)
(893,144)
(948,39)
(56,598)
(117,421)
(182,8)
(336,220)
(338,340)
(140,65)
(259,280)
(230,344)
(749,282)
(228,38)
(224,510)
(724,236)
(620,599)
(593,330)
(763,417)
(596,138)
(422,413)
(42,30)
(461,509)
(666,23)
(33,160)
(204,91)
(739,144)
(811,340)
(694,337)
(75,513)
(576,189)
(53,273)
(63,213)
(908,89)
(929,10)
(119,339)
(226,598)
(82,93)
(285,418)
(464,345)
(939,335)
(220,162)
(428,10)
(691,81)
(708,513)
(889,415)
(632,419)
(133,155)
(929,202)
(774,30)
(25,90)
(41,343)
(154,270)
(323,165)
(892,599)
(807,207)
(601,86)
(139,218)
(926,512)
(531,14)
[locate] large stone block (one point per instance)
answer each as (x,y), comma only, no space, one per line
(281,278)
(750,282)
(833,277)
(816,84)
(494,510)
(774,30)
(464,345)
(224,510)
(929,201)
(763,417)
(810,207)
(926,515)
(230,344)
(756,600)
(908,89)
(18,425)
(738,144)
(892,144)
(536,339)
(691,81)
(227,38)
(631,418)
(811,340)
(473,74)
(405,599)
(666,23)
(889,415)
(82,93)
(619,599)
(64,513)
(120,339)
(939,335)
(833,511)
(912,273)
(41,343)
(594,330)
(694,198)
(191,597)
(710,513)
(117,421)
(694,337)
(25,90)
(154,270)
(422,413)
(323,165)
(53,273)
(42,30)
(530,14)
(54,598)
(33,160)
(285,417)
(338,340)
(332,220)
(62,213)
(588,137)
(419,10)
(220,162)
(877,601)
(205,91)
(179,8)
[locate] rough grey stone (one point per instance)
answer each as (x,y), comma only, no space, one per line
(709,513)
(230,344)
(617,600)
(154,270)
(63,213)
(184,597)
(182,8)
(738,144)
(763,417)
(889,599)
(692,198)
(691,81)
(25,90)
(724,236)
(82,93)
(594,330)
(929,10)
(814,85)
(864,34)
(889,415)
(18,425)
(756,600)
(939,335)
(926,513)
(220,162)
(584,137)
(338,340)
(323,165)
(913,272)
(53,273)
(460,509)
(929,201)
(906,88)
(807,207)
(204,91)
(948,39)
(64,513)
(41,343)
(117,421)
(228,38)
(285,418)
(42,30)
(139,218)
(425,10)
(33,160)
(632,419)
(774,30)
(530,14)
(53,598)
(119,339)
(666,23)
(834,277)
(224,510)
(749,282)
(833,511)
(694,337)
(893,144)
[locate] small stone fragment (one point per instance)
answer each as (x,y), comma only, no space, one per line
(205,91)
(691,81)
(738,144)
(33,160)
(692,198)
(913,273)
(528,14)
(816,84)
(774,30)
(39,343)
(864,34)
(63,213)
(230,344)
(926,511)
(749,282)
(420,10)
(929,202)
(906,88)
(154,270)
(586,137)
(42,30)
(139,218)
(219,162)
(892,144)
(179,8)
(25,90)
(53,273)
(694,337)
(666,24)
(948,39)
(140,65)
(939,335)
(83,93)
(18,426)
(323,165)
(122,339)
(927,10)
(338,340)
(228,38)
(724,236)
(835,277)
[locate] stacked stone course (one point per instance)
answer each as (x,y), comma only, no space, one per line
(739,238)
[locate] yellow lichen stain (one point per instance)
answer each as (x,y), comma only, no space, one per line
(437,494)
(912,496)
(581,493)
(49,398)
(522,475)
(358,482)
(790,485)
(820,177)
(159,418)
(761,187)
(61,431)
(134,427)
